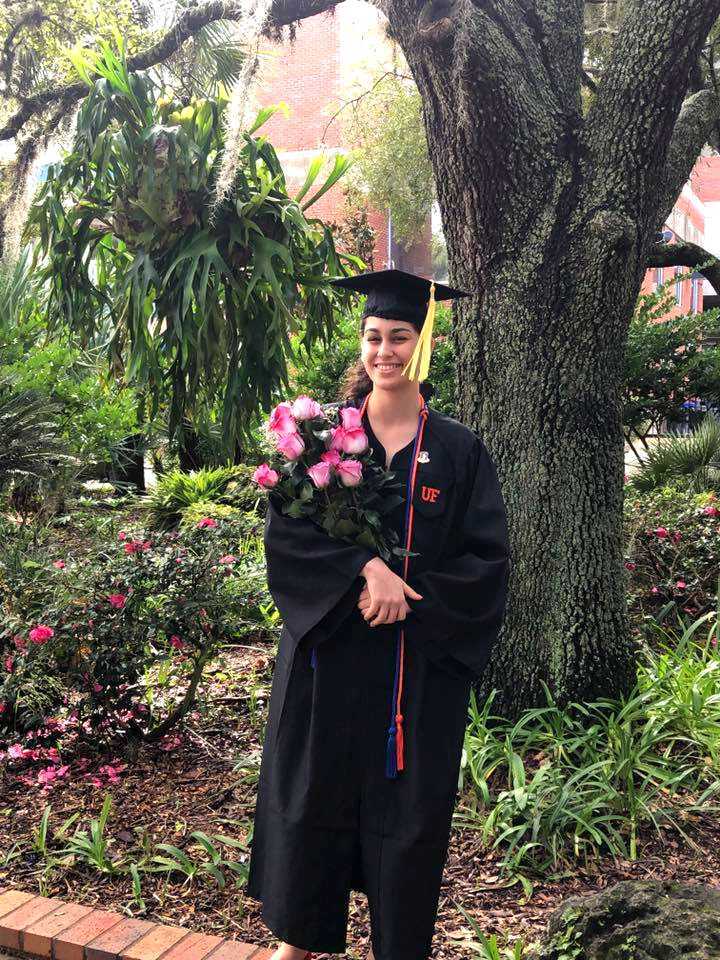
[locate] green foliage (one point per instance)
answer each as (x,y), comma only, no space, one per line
(392,158)
(176,491)
(29,442)
(694,459)
(665,362)
(129,625)
(90,413)
(196,302)
(672,553)
(562,785)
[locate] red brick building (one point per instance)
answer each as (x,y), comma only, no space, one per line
(313,75)
(695,218)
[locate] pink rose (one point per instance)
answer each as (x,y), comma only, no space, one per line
(330,456)
(354,441)
(305,408)
(9,664)
(122,535)
(117,600)
(350,472)
(41,633)
(291,445)
(676,536)
(337,437)
(681,584)
(281,419)
(206,522)
(711,511)
(630,565)
(265,476)
(351,419)
(59,564)
(176,642)
(661,532)
(228,558)
(320,474)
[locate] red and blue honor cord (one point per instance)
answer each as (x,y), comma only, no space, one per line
(394,752)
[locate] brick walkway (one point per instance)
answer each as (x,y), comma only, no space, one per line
(58,930)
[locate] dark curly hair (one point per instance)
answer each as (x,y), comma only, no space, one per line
(356,383)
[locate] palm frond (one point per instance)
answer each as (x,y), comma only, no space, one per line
(695,457)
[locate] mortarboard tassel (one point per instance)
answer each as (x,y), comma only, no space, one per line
(418,366)
(313,658)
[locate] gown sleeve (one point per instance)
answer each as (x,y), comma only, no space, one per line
(459,618)
(312,577)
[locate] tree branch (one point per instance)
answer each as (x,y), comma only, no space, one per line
(685,254)
(191,22)
(693,127)
(642,92)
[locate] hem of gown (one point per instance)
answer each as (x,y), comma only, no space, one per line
(301,941)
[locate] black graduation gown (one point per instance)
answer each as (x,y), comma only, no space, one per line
(328,820)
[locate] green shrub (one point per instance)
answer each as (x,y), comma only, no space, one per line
(694,459)
(672,553)
(127,629)
(176,491)
(566,785)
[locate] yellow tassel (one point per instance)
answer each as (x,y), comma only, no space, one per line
(418,365)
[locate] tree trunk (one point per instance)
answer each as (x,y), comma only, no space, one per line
(548,215)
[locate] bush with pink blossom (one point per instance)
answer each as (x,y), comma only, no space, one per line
(122,637)
(672,554)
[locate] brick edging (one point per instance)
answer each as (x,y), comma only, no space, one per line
(60,930)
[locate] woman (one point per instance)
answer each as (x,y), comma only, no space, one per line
(375,662)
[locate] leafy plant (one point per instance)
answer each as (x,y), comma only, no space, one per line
(694,458)
(176,491)
(196,301)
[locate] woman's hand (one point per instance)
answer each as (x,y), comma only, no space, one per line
(382,599)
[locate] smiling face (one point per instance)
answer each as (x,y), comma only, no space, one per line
(386,347)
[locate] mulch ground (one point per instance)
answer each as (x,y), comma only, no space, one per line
(207,781)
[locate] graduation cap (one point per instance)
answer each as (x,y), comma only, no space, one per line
(397,295)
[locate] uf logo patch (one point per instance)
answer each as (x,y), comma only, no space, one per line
(430,494)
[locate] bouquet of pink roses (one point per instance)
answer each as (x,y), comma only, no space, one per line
(323,470)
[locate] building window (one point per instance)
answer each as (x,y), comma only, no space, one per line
(695,292)
(658,277)
(678,286)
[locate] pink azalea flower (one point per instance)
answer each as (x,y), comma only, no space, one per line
(305,408)
(281,419)
(59,564)
(351,419)
(354,441)
(711,511)
(265,476)
(228,558)
(117,600)
(630,565)
(291,445)
(176,642)
(350,472)
(661,532)
(681,584)
(41,633)
(17,752)
(206,522)
(320,474)
(330,456)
